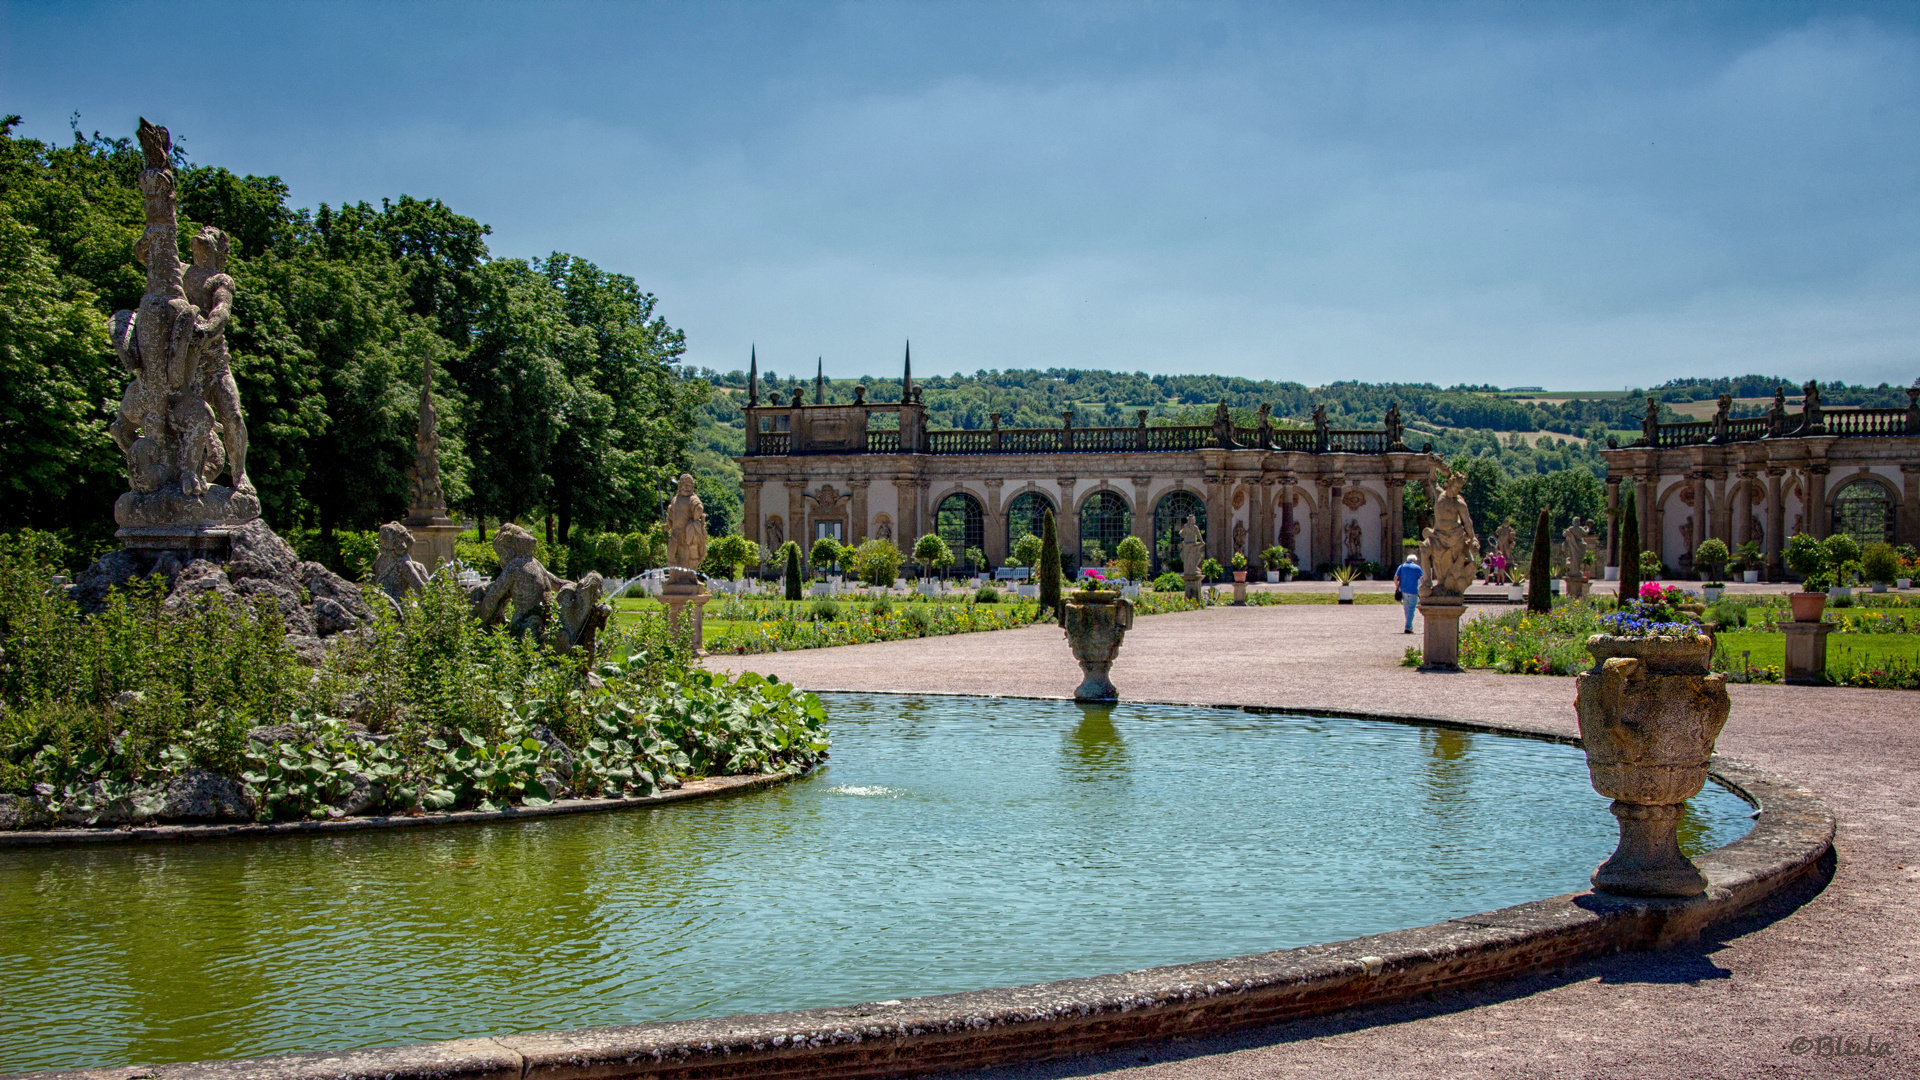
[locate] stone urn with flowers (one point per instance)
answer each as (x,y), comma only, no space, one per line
(1649,714)
(1097,620)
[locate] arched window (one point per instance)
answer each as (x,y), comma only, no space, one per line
(1864,511)
(1023,516)
(961,523)
(1168,514)
(1105,520)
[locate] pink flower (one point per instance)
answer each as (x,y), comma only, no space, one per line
(1650,592)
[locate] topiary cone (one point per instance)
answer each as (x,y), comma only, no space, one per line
(793,570)
(1050,568)
(1629,553)
(1540,574)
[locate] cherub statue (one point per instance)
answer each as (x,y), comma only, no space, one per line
(393,568)
(524,591)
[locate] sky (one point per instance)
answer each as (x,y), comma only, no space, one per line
(1566,195)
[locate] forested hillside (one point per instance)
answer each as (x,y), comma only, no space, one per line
(560,391)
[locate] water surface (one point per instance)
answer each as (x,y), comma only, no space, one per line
(951,844)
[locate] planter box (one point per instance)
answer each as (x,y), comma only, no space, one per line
(1840,592)
(1660,655)
(1749,576)
(1879,586)
(1273,577)
(1346,594)
(1903,583)
(1517,594)
(1712,592)
(1613,574)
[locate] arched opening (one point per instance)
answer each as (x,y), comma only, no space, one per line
(1168,514)
(962,524)
(1864,511)
(1105,520)
(1024,516)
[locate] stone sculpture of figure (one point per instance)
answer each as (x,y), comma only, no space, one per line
(1266,423)
(1354,540)
(1320,427)
(1720,417)
(522,596)
(1222,425)
(1577,541)
(1190,537)
(393,569)
(1396,431)
(777,532)
(182,399)
(1811,420)
(1240,536)
(686,527)
(1777,415)
(581,613)
(1650,425)
(1449,550)
(429,498)
(1503,538)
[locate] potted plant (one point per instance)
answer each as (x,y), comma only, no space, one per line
(1661,629)
(1880,565)
(1239,566)
(1516,585)
(1909,562)
(1843,565)
(1279,563)
(1711,556)
(1345,575)
(1806,557)
(1752,561)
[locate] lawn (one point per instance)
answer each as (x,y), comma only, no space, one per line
(1846,653)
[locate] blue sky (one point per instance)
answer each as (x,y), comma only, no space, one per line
(1576,196)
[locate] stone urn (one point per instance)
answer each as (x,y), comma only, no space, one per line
(1649,714)
(1097,621)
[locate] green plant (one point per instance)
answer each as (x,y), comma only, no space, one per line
(1345,575)
(824,610)
(1711,557)
(977,559)
(919,618)
(791,551)
(1806,557)
(825,552)
(1841,550)
(1169,582)
(1211,570)
(1650,566)
(1413,657)
(932,553)
(1026,550)
(987,594)
(1629,551)
(729,554)
(880,606)
(1239,561)
(1050,568)
(1540,572)
(877,562)
(1277,558)
(1749,557)
(1130,558)
(1880,563)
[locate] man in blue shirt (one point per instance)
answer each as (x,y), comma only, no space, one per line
(1407,580)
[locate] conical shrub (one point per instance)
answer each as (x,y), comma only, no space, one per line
(793,570)
(1629,552)
(1050,568)
(1540,574)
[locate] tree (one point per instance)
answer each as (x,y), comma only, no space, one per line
(1050,599)
(931,552)
(792,552)
(730,553)
(1629,552)
(826,551)
(1026,551)
(877,562)
(1540,572)
(1131,557)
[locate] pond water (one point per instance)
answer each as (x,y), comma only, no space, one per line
(951,844)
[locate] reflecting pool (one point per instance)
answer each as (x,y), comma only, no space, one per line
(950,844)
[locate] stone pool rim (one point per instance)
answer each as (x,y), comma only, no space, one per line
(1789,850)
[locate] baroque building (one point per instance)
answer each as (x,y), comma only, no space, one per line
(866,470)
(1763,479)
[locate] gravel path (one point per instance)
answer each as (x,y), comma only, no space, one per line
(1842,964)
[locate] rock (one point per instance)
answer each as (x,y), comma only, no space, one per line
(324,583)
(559,754)
(113,571)
(308,649)
(331,617)
(94,805)
(195,580)
(262,553)
(20,812)
(201,795)
(362,797)
(556,788)
(296,617)
(167,565)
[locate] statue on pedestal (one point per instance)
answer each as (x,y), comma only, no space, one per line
(1449,556)
(1190,558)
(686,550)
(179,422)
(433,531)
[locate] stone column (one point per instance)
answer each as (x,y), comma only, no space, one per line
(1818,520)
(1262,535)
(1287,497)
(797,515)
(1907,530)
(923,509)
(750,508)
(1776,522)
(996,522)
(1613,520)
(1722,516)
(857,508)
(1326,528)
(906,526)
(1806,648)
(1742,509)
(1392,543)
(1701,520)
(1440,633)
(1069,519)
(1649,511)
(1143,514)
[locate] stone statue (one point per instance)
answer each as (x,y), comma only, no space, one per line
(1777,415)
(1354,540)
(1222,426)
(1450,550)
(1650,425)
(581,613)
(1266,423)
(1721,415)
(522,595)
(1240,536)
(686,527)
(1396,431)
(1503,538)
(429,499)
(179,421)
(1811,419)
(1190,537)
(393,568)
(1577,541)
(1321,431)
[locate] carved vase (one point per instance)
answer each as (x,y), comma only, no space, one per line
(1096,623)
(1649,714)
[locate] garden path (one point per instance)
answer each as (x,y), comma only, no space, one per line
(1846,963)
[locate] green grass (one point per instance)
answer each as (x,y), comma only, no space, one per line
(1844,651)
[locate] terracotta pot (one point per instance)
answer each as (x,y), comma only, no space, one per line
(1807,606)
(1239,575)
(1657,655)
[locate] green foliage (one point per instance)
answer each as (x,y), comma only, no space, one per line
(880,605)
(977,559)
(1712,555)
(932,552)
(1540,573)
(1841,549)
(986,594)
(877,562)
(1168,583)
(1210,569)
(826,552)
(1130,556)
(1880,563)
(1239,561)
(1278,558)
(824,610)
(732,552)
(1806,557)
(1534,643)
(1049,568)
(1026,550)
(919,619)
(792,576)
(1630,553)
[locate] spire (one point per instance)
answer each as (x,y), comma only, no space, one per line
(906,380)
(820,381)
(753,375)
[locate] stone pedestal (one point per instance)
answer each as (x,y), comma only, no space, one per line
(682,591)
(1440,623)
(1806,651)
(1576,588)
(1192,578)
(1096,623)
(432,540)
(1239,594)
(1648,739)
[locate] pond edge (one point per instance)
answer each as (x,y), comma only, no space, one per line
(1788,851)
